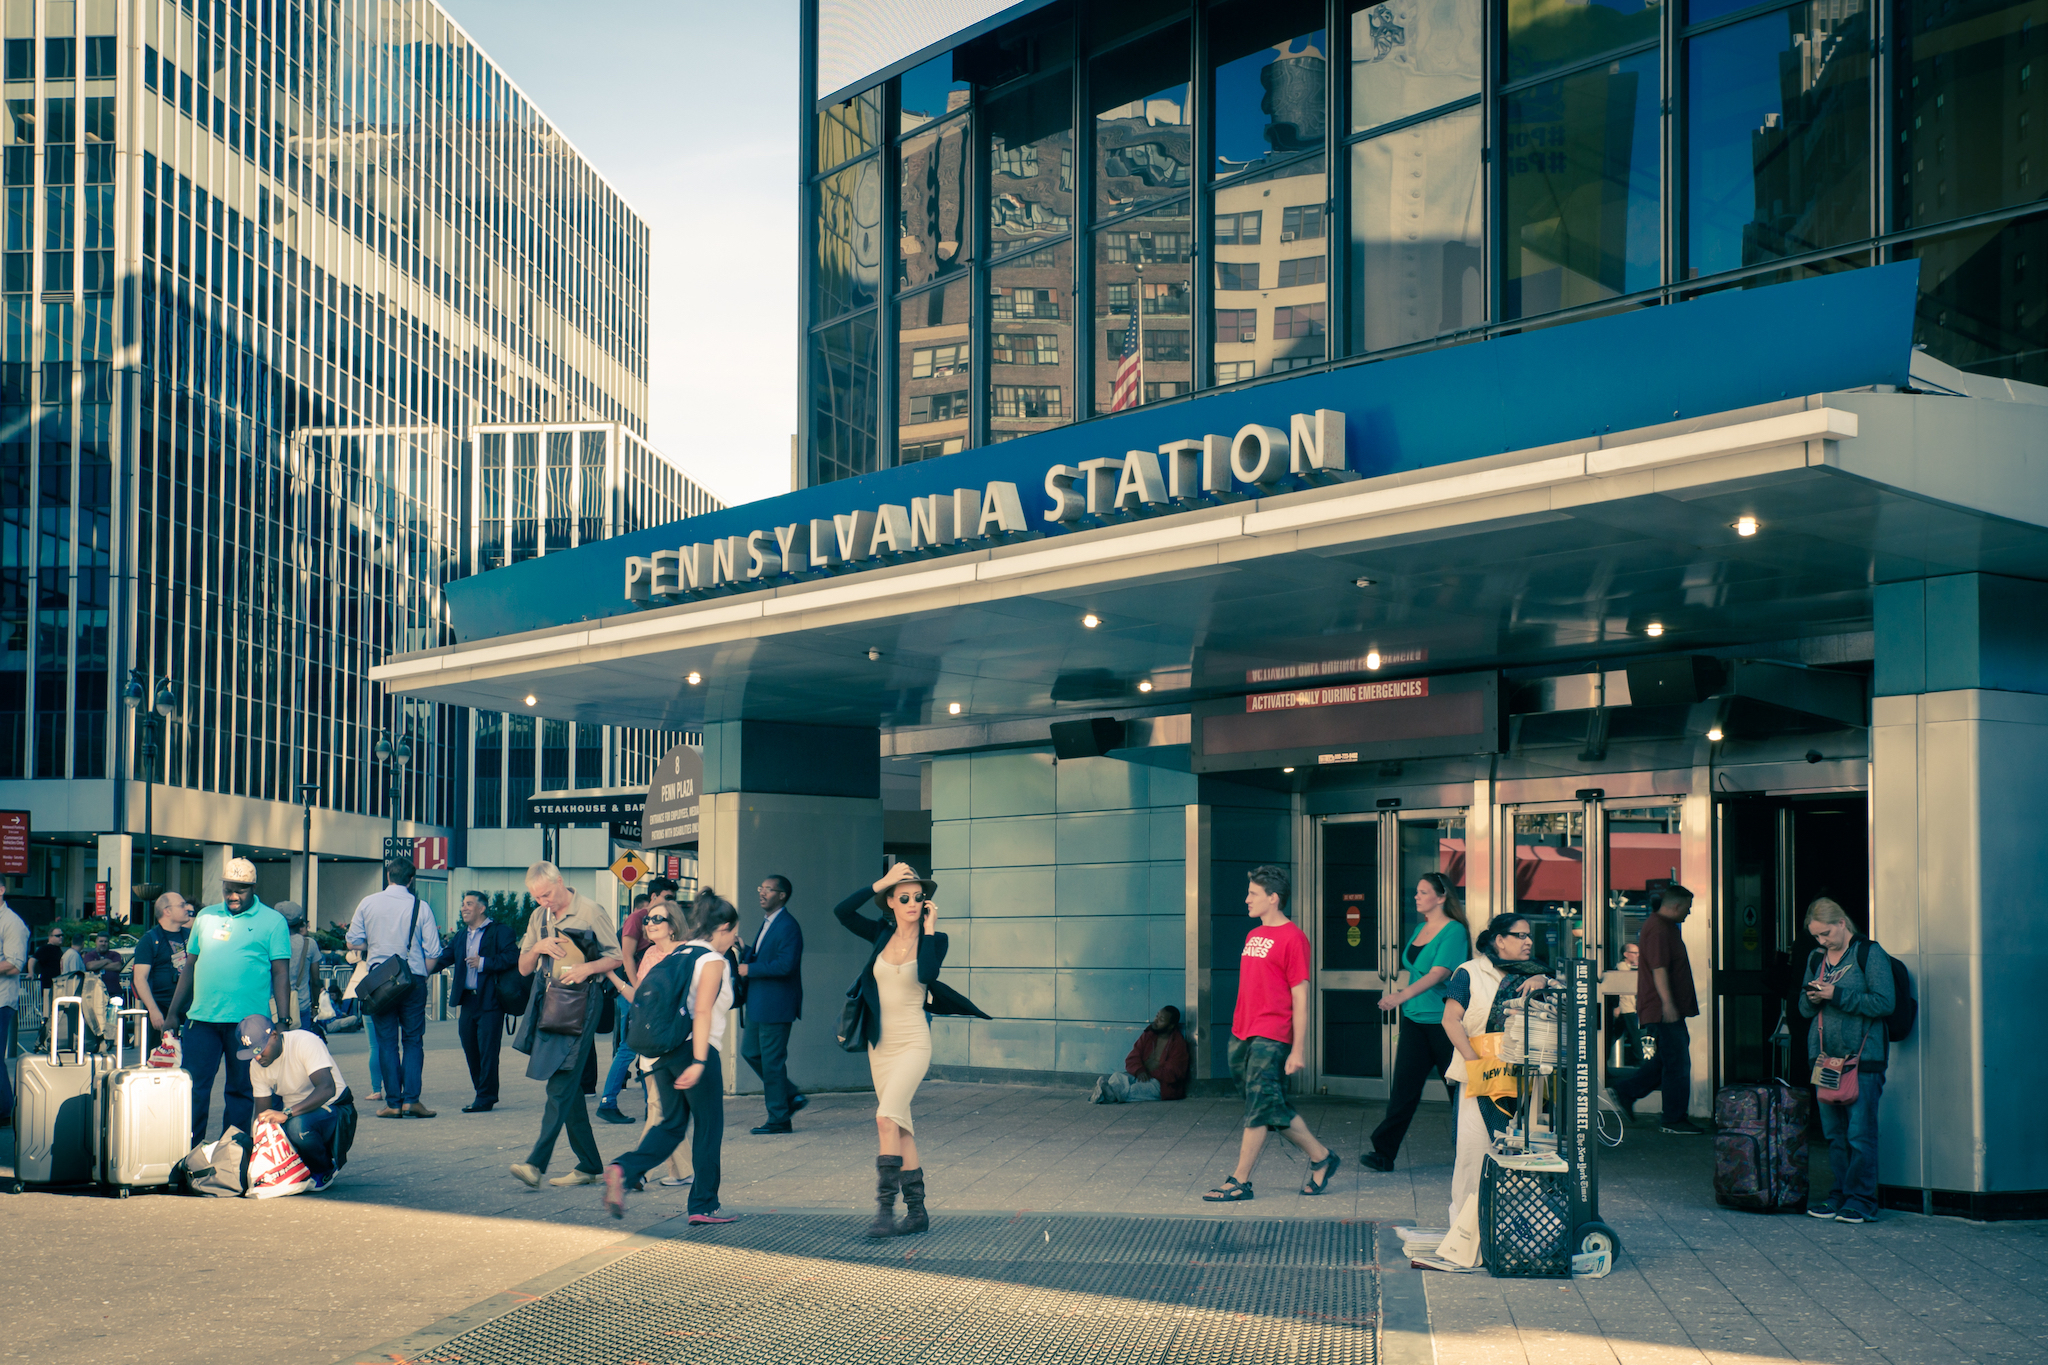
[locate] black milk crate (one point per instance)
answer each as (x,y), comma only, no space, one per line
(1525,1227)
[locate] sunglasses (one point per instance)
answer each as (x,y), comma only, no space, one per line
(657,919)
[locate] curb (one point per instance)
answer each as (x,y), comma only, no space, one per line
(1405,1337)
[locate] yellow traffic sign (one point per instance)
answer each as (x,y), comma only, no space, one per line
(630,869)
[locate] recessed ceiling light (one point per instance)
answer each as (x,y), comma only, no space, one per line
(1287,770)
(1091,620)
(1145,686)
(1654,629)
(1714,735)
(873,655)
(1372,658)
(1362,582)
(694,678)
(952,708)
(1745,526)
(531,700)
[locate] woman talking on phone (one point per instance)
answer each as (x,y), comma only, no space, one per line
(901,970)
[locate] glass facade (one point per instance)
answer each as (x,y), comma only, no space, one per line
(270,269)
(1358,178)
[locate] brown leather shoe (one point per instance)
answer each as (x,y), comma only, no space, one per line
(390,1114)
(418,1110)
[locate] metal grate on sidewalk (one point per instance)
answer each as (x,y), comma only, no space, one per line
(1041,1290)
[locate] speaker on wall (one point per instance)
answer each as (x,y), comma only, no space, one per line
(1090,738)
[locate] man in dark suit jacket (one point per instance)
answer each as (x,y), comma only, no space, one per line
(479,952)
(774,969)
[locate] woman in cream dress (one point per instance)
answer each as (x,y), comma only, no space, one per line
(904,963)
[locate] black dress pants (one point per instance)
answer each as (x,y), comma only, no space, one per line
(566,1109)
(1420,1049)
(765,1047)
(482,1028)
(702,1104)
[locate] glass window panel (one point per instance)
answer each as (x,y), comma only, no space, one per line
(1351,887)
(525,494)
(845,388)
(1144,134)
(1550,877)
(1031,165)
(932,204)
(1545,34)
(930,92)
(1144,290)
(1269,72)
(848,272)
(1031,318)
(849,128)
(1971,107)
(1107,23)
(1263,222)
(1580,173)
(1642,858)
(933,373)
(1418,233)
(1428,846)
(1778,136)
(1982,298)
(1699,11)
(592,477)
(561,472)
(1411,55)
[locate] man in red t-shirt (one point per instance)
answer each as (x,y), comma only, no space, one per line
(1268,1032)
(1665,999)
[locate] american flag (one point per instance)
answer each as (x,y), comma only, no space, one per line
(1130,371)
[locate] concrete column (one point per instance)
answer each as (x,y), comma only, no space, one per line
(116,868)
(213,860)
(1203,1043)
(1696,874)
(306,891)
(77,886)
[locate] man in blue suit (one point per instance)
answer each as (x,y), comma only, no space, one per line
(774,969)
(481,952)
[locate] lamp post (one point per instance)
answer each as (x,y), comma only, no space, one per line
(395,757)
(307,791)
(149,723)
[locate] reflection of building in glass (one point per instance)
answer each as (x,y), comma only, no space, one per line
(1803,199)
(1271,311)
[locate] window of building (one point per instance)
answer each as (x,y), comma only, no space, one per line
(1024,303)
(1968,78)
(937,362)
(1168,345)
(1030,136)
(1235,371)
(1144,127)
(1303,320)
(1024,348)
(1028,402)
(929,450)
(1300,270)
(1164,389)
(1269,69)
(933,190)
(1238,229)
(1418,232)
(1543,36)
(1400,68)
(938,407)
(1301,222)
(1236,325)
(1237,275)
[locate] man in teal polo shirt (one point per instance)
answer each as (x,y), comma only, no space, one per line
(237,963)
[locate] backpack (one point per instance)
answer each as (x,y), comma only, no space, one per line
(660,1023)
(1898,1025)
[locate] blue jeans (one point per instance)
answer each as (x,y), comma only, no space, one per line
(1671,1067)
(312,1136)
(1851,1131)
(207,1044)
(376,1057)
(401,1038)
(622,1058)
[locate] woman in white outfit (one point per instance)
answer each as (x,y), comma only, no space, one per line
(1502,967)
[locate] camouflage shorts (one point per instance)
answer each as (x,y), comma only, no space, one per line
(1260,1066)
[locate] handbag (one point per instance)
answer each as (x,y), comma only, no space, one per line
(564,1005)
(1842,1071)
(854,1021)
(386,985)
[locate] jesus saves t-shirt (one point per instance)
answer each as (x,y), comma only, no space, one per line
(1275,961)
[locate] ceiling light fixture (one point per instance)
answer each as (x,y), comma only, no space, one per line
(952,708)
(1287,770)
(1654,629)
(874,655)
(532,700)
(1145,686)
(1714,735)
(1362,582)
(694,678)
(1745,526)
(1372,658)
(1091,620)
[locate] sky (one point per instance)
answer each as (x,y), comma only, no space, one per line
(688,108)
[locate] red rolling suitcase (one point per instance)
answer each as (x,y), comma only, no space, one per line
(1760,1147)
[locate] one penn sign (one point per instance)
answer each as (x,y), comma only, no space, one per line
(1179,476)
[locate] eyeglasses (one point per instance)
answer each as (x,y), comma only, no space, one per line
(1524,934)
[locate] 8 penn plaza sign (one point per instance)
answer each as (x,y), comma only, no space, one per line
(1179,476)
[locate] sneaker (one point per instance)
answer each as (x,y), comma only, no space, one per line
(321,1182)
(1824,1211)
(1850,1216)
(676,1182)
(1681,1127)
(1101,1086)
(611,1113)
(528,1176)
(700,1219)
(575,1178)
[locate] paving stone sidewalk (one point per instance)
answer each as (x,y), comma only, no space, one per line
(426,1222)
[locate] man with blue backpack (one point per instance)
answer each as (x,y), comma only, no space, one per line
(1860,1001)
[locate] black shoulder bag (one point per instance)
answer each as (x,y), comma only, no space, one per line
(386,985)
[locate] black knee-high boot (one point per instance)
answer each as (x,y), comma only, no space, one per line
(888,1177)
(913,1204)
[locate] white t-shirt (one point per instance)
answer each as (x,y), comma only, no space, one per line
(290,1077)
(723,1005)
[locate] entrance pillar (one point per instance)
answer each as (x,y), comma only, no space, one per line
(1958,776)
(309,886)
(803,801)
(116,869)
(213,866)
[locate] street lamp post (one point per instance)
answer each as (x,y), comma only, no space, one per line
(149,722)
(395,757)
(307,791)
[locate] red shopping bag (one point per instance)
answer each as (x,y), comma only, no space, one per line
(275,1166)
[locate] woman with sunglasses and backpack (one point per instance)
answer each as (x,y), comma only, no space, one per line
(1849,995)
(661,931)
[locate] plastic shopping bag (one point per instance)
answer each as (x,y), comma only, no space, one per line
(275,1166)
(166,1054)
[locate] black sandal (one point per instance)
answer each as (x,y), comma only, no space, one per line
(1328,1166)
(1230,1191)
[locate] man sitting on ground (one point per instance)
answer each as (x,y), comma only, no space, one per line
(297,1084)
(1157,1068)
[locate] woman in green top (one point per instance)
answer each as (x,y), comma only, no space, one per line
(1441,945)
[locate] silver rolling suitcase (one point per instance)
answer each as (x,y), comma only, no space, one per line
(144,1116)
(53,1116)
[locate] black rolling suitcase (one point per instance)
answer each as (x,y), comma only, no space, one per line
(1760,1147)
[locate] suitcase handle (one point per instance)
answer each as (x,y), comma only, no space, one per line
(56,1006)
(142,1034)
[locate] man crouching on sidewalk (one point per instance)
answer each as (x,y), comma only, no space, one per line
(298,1086)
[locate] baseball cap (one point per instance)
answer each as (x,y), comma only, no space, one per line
(255,1033)
(240,871)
